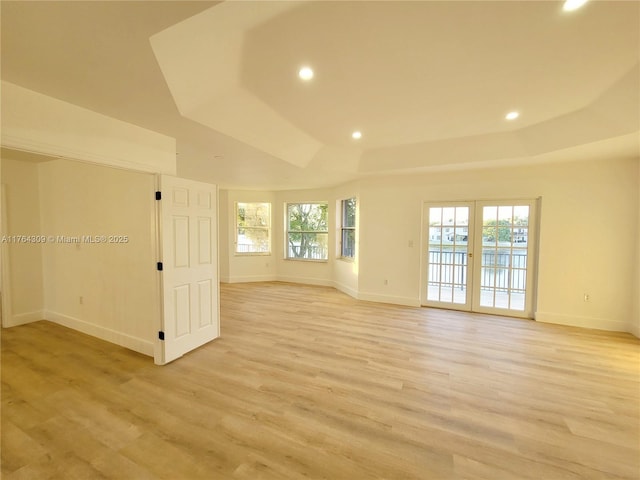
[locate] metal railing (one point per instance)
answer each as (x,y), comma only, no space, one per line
(500,270)
(251,248)
(310,252)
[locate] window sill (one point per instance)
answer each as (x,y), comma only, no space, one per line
(309,260)
(347,259)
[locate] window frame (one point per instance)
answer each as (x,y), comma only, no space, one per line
(344,228)
(266,228)
(288,231)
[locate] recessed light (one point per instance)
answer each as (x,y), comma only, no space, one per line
(356,135)
(571,5)
(512,115)
(305,73)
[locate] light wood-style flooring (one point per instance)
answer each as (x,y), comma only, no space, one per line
(308,383)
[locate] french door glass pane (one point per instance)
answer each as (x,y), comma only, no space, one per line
(504,256)
(447,256)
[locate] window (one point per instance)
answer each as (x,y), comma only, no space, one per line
(348,229)
(307,231)
(253,228)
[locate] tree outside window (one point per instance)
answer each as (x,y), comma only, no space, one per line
(253,228)
(348,229)
(307,231)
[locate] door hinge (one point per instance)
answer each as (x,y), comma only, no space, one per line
(161,335)
(159,266)
(158,195)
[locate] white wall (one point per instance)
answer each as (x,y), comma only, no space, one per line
(587,244)
(117,281)
(34,122)
(224,231)
(23,260)
(589,236)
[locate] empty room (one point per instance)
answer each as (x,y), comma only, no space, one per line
(320,239)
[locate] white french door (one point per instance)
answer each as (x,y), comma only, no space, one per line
(190,290)
(447,229)
(479,256)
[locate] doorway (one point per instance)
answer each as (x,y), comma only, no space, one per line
(480,256)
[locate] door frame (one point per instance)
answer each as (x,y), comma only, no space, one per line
(473,292)
(5,284)
(532,253)
(424,269)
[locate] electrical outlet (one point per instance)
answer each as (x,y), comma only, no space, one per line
(386,282)
(81,300)
(587,297)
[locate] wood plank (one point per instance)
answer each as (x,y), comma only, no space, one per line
(307,382)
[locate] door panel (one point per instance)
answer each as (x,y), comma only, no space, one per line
(205,291)
(188,225)
(180,242)
(181,296)
(204,241)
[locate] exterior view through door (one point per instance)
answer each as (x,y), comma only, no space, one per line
(479,256)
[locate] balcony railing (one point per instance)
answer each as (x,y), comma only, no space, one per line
(501,270)
(251,248)
(310,252)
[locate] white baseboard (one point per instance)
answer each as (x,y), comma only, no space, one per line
(584,322)
(23,318)
(133,343)
(344,289)
(406,301)
(249,278)
(634,329)
(373,297)
(306,281)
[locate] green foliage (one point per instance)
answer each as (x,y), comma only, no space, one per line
(349,213)
(308,217)
(253,221)
(307,229)
(500,229)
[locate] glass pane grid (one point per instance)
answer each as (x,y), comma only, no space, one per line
(447,257)
(307,231)
(253,221)
(504,257)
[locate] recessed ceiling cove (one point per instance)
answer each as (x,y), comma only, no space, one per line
(429,82)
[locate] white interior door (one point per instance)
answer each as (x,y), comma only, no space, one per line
(190,290)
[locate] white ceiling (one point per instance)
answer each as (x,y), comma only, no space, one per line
(428,83)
